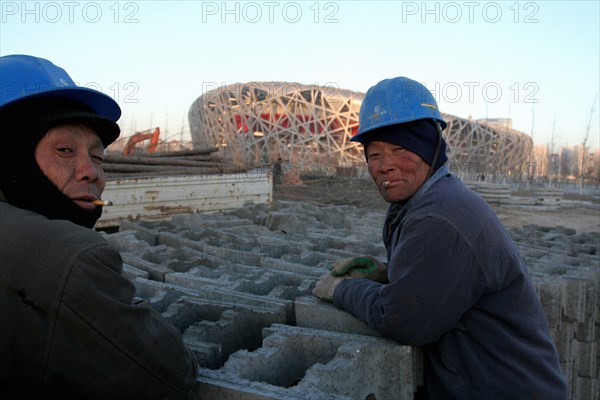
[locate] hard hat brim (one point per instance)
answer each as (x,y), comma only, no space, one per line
(107,130)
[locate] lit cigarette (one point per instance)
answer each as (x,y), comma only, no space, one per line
(385,184)
(102,202)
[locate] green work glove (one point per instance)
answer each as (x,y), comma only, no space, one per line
(366,267)
(326,285)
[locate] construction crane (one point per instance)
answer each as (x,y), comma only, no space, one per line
(149,134)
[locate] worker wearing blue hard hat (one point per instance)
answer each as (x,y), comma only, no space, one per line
(36,96)
(70,328)
(453,282)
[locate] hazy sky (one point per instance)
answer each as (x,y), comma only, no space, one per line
(536,62)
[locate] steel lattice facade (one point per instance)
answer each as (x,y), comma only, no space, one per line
(478,150)
(307,125)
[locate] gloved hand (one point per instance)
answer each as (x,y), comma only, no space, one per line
(366,267)
(326,285)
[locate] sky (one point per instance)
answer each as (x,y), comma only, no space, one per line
(536,62)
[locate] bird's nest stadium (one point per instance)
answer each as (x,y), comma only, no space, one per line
(311,126)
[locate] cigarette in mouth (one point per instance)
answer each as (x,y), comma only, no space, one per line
(385,184)
(102,202)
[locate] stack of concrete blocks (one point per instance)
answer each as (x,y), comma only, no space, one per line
(493,193)
(238,285)
(566,272)
(595,197)
(548,196)
(232,283)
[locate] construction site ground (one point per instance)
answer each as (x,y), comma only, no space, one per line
(574,211)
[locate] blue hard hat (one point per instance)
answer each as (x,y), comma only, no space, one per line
(396,101)
(24,77)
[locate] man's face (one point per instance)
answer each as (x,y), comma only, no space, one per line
(403,170)
(71,157)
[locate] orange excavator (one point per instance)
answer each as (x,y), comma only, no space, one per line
(149,134)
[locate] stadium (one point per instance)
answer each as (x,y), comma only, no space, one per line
(310,126)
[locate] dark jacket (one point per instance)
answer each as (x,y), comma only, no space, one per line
(459,288)
(68,324)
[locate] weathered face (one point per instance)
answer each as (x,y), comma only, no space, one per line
(71,157)
(397,172)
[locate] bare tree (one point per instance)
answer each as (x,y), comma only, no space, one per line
(583,145)
(531,164)
(551,150)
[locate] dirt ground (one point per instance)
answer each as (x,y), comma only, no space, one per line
(579,214)
(582,218)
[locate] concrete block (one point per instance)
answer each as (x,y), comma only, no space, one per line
(157,272)
(126,242)
(223,252)
(227,329)
(314,313)
(284,222)
(577,306)
(275,264)
(587,365)
(148,235)
(549,290)
(159,295)
(130,272)
(301,363)
(586,388)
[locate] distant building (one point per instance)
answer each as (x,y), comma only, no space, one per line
(260,122)
(541,159)
(568,167)
(593,167)
(488,150)
(311,126)
(498,123)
